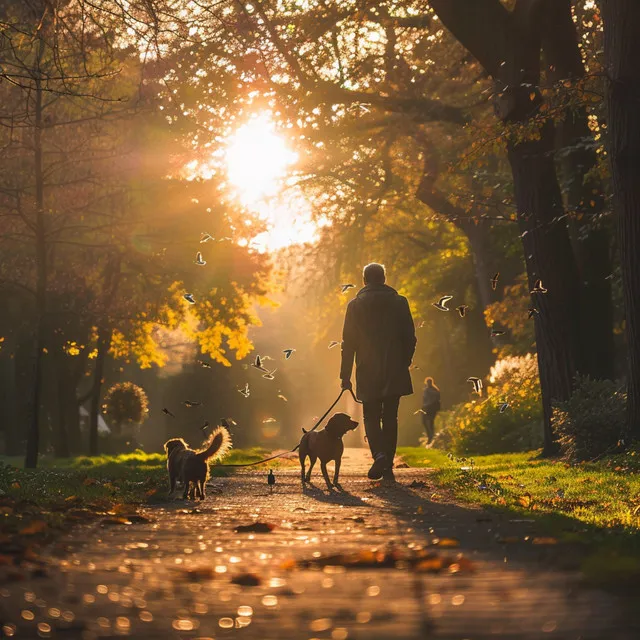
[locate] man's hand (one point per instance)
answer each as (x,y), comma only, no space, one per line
(346,385)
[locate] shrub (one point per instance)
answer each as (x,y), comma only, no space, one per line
(478,427)
(591,422)
(125,404)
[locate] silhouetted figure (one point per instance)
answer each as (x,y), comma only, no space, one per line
(380,335)
(430,407)
(271,480)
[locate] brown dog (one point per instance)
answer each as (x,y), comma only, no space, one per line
(326,445)
(191,467)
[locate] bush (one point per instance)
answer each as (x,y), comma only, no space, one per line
(125,405)
(591,422)
(478,427)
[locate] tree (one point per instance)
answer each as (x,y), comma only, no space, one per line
(125,404)
(622,48)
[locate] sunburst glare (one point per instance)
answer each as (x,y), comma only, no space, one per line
(257,160)
(259,164)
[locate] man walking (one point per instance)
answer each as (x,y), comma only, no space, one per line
(379,333)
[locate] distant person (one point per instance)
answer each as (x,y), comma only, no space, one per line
(379,333)
(430,407)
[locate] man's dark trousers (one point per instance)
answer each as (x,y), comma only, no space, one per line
(381,426)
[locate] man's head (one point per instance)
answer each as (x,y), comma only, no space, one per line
(429,381)
(374,273)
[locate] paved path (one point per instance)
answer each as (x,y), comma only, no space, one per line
(173,577)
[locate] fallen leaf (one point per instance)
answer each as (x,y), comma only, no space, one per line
(429,565)
(87,482)
(247,580)
(15,485)
(543,540)
(525,500)
(198,574)
(112,521)
(445,542)
(37,526)
(256,527)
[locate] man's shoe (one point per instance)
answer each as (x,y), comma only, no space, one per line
(377,468)
(388,476)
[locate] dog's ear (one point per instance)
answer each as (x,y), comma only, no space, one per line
(333,426)
(170,445)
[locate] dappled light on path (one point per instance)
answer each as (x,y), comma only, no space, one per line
(375,561)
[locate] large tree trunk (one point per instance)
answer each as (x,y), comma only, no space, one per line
(549,258)
(585,197)
(622,53)
(33,438)
(508,45)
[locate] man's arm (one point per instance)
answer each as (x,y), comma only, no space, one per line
(348,347)
(408,330)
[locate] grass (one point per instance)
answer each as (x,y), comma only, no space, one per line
(130,475)
(595,504)
(35,503)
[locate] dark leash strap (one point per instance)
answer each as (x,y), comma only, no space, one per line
(284,453)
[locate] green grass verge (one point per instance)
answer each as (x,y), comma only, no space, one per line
(594,504)
(130,475)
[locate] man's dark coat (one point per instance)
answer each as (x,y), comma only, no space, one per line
(379,333)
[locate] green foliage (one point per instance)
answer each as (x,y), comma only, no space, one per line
(603,494)
(479,426)
(125,404)
(591,422)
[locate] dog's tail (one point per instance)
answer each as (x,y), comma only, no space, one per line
(217,446)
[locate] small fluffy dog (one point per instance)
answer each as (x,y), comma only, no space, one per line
(326,445)
(192,467)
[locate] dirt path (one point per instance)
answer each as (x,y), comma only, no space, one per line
(172,577)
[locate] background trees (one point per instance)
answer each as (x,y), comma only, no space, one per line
(450,139)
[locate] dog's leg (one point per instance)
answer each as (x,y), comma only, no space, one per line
(312,460)
(303,459)
(202,491)
(172,484)
(336,473)
(325,473)
(185,493)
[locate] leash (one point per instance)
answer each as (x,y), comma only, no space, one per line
(284,453)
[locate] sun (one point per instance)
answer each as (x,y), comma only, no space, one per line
(259,164)
(257,160)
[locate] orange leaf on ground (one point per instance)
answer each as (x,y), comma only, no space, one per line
(247,580)
(256,527)
(37,526)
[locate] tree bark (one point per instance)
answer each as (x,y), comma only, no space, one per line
(104,342)
(622,53)
(585,197)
